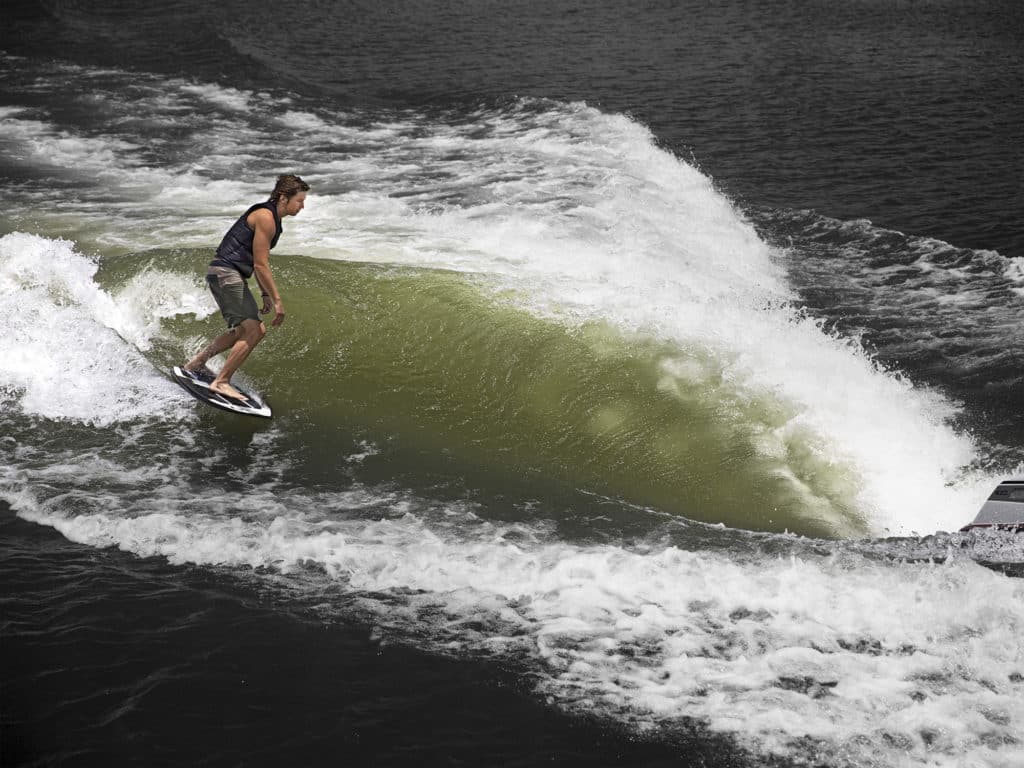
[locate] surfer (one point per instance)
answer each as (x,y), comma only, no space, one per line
(244,251)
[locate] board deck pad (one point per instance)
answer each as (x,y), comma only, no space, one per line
(197,384)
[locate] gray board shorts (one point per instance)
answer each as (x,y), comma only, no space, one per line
(231,291)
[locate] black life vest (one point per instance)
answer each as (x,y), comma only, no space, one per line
(235,250)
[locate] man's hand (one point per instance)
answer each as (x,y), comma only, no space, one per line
(279,309)
(267,304)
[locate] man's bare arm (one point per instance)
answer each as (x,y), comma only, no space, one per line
(262,222)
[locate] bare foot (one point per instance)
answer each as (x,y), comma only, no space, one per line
(224,388)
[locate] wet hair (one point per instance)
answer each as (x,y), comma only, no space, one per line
(288,185)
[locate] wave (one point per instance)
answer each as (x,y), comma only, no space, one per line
(454,365)
(689,373)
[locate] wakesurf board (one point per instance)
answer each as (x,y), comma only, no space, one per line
(197,384)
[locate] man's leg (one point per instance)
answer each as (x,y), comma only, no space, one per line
(228,289)
(215,347)
(248,335)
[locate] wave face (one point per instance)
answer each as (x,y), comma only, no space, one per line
(543,394)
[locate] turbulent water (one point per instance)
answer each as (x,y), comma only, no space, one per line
(683,456)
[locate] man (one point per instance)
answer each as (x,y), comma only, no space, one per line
(245,250)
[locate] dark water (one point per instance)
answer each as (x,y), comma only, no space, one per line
(637,359)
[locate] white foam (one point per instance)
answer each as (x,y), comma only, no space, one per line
(1015,273)
(222,96)
(70,349)
(840,658)
(155,295)
(43,145)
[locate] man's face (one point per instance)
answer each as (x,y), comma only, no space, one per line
(295,203)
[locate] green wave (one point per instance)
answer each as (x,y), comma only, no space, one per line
(441,361)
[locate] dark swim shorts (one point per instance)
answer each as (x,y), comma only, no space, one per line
(232,294)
